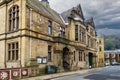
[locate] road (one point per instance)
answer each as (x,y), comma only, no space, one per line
(107,73)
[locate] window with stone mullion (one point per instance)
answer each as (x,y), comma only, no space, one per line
(14,18)
(10,20)
(49,27)
(17,50)
(82,35)
(49,53)
(80,56)
(76,32)
(9,51)
(62,31)
(13,50)
(17,18)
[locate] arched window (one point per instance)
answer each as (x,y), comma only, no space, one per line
(14,18)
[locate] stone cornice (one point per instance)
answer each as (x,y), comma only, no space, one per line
(5,2)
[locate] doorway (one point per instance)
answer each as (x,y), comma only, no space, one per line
(90,60)
(66,59)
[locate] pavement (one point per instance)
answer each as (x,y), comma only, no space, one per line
(57,75)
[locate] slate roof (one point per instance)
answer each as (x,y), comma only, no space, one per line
(78,11)
(46,11)
(67,13)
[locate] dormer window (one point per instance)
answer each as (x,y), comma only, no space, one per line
(14,18)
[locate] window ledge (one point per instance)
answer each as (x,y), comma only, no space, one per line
(12,61)
(9,32)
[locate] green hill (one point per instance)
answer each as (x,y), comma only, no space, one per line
(112,42)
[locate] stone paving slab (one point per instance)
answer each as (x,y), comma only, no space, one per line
(57,75)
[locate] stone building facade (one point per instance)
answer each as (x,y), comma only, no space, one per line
(112,56)
(34,34)
(100,52)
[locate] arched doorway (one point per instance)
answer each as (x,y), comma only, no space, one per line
(66,59)
(90,59)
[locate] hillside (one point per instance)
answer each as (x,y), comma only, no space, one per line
(112,42)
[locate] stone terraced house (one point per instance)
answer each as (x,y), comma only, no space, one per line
(112,56)
(100,52)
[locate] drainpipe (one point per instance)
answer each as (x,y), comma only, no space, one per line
(30,33)
(20,11)
(5,37)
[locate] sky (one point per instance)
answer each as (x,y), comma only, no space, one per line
(106,13)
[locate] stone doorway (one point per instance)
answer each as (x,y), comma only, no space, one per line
(66,59)
(90,59)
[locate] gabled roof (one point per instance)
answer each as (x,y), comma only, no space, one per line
(91,22)
(46,11)
(68,13)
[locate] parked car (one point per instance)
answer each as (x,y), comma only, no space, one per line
(107,64)
(115,63)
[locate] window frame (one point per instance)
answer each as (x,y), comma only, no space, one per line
(76,32)
(49,53)
(82,35)
(49,27)
(80,56)
(13,51)
(13,18)
(62,31)
(74,56)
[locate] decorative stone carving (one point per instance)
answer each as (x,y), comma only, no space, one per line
(3,75)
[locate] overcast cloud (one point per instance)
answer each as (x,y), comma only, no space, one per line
(106,13)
